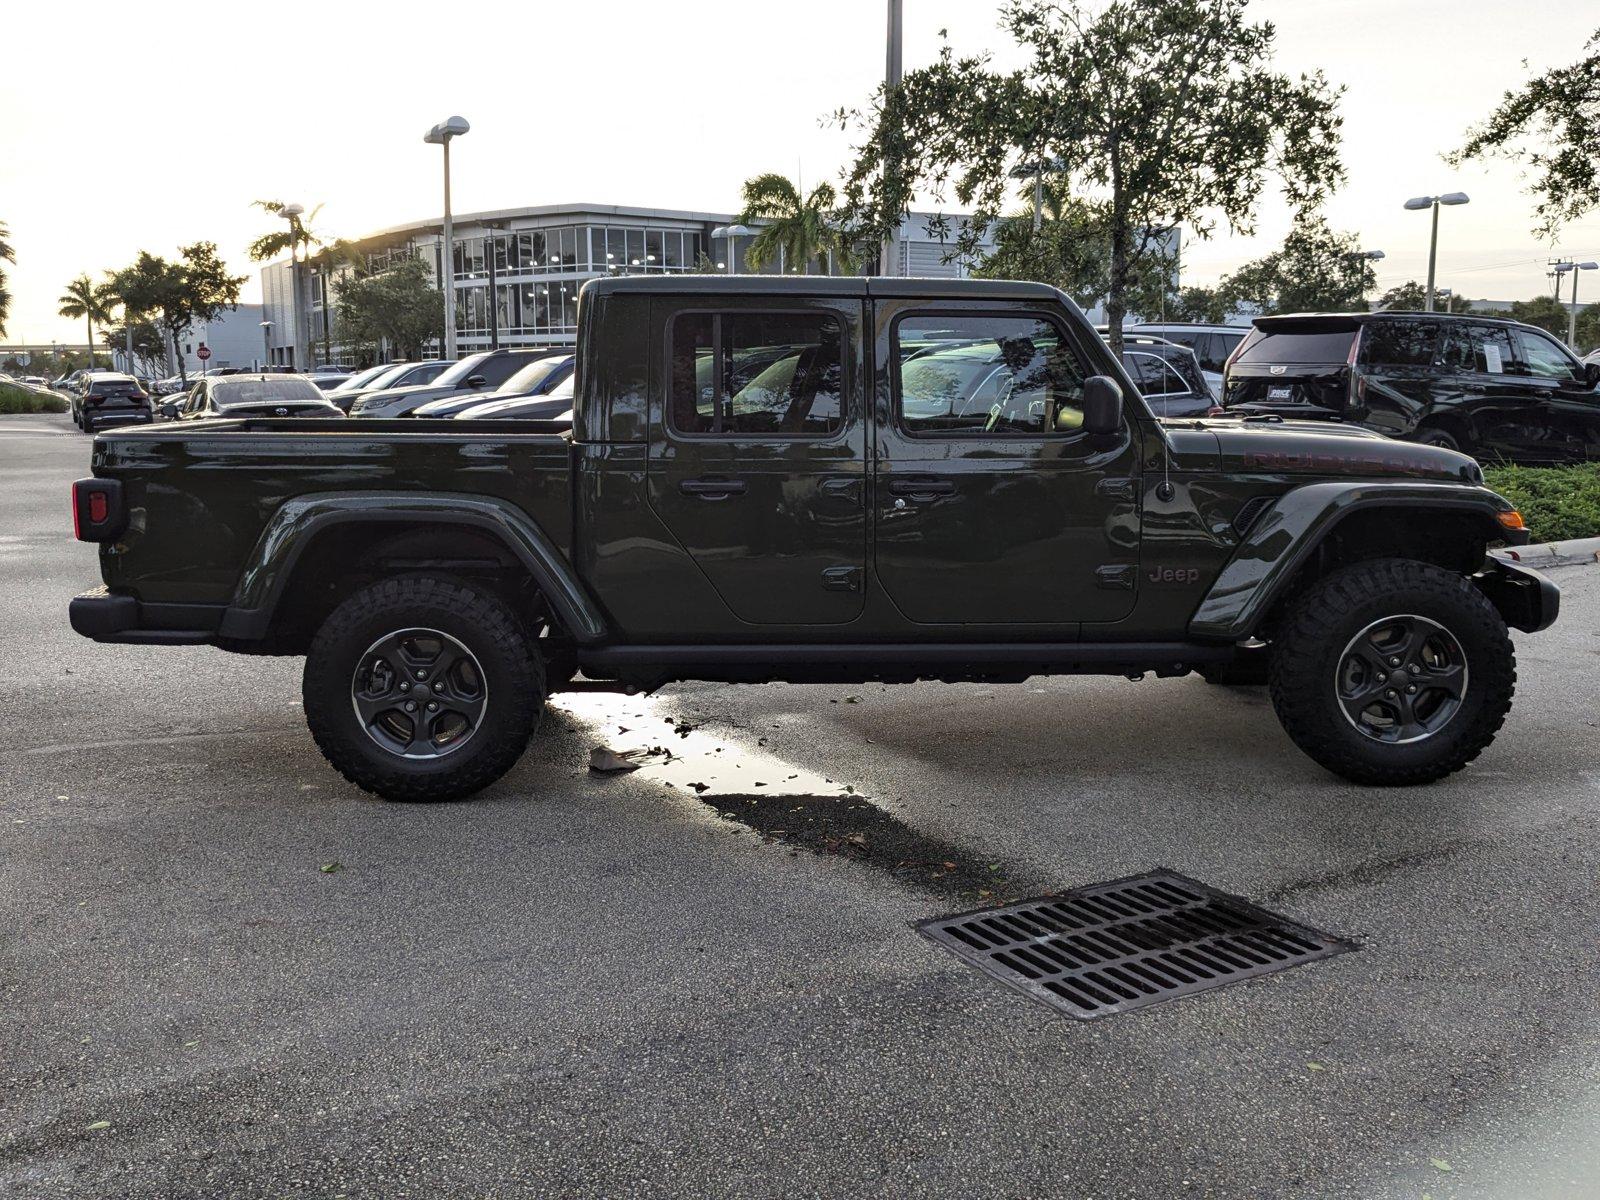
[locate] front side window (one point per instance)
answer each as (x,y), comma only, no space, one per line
(754,374)
(987,375)
(1543,359)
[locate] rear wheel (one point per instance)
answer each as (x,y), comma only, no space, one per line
(422,688)
(1393,672)
(1437,435)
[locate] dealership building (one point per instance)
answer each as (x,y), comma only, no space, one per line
(517,271)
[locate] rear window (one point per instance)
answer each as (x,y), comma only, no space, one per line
(113,387)
(265,391)
(1400,343)
(1265,346)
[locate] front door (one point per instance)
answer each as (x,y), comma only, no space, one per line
(757,454)
(1568,406)
(992,504)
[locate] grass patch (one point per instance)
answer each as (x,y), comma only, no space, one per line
(17,399)
(1556,502)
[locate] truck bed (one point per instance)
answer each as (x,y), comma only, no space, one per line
(204,491)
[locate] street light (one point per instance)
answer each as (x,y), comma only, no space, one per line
(1036,169)
(290,213)
(266,343)
(440,135)
(730,232)
(1433,202)
(1572,312)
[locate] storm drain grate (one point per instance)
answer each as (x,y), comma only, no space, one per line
(1112,947)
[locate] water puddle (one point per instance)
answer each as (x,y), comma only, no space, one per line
(785,803)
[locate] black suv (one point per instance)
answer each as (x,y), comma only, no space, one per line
(1492,388)
(109,398)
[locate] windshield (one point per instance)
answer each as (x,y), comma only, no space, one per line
(1266,347)
(365,378)
(535,373)
(455,374)
(266,391)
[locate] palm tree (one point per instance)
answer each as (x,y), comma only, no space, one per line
(799,230)
(91,301)
(6,255)
(293,235)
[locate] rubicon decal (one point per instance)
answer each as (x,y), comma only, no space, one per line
(1345,464)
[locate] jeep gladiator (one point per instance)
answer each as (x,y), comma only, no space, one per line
(817,479)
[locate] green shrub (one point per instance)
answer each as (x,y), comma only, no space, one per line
(17,399)
(1556,502)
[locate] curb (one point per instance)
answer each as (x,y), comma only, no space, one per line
(1573,552)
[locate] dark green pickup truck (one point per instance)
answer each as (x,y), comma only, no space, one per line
(817,480)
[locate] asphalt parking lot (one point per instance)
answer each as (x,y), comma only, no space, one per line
(225,972)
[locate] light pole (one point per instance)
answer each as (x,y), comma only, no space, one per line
(440,135)
(266,344)
(728,233)
(1572,310)
(291,213)
(891,84)
(1433,202)
(1036,170)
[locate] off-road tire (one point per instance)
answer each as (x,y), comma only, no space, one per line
(1311,642)
(479,621)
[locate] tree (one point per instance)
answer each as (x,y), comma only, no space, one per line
(399,305)
(6,255)
(795,231)
(178,295)
(1158,112)
(292,237)
(1409,296)
(1552,125)
(1317,269)
(91,301)
(1209,306)
(1545,311)
(149,347)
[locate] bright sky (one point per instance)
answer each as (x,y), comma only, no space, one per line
(131,127)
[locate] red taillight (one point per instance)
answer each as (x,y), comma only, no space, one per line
(77,525)
(94,397)
(1358,386)
(1216,410)
(99,507)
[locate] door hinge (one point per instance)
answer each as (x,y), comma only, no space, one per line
(1117,577)
(1116,488)
(842,579)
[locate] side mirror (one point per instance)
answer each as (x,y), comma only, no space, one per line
(169,410)
(476,381)
(1102,405)
(1591,374)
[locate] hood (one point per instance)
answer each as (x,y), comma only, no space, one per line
(406,398)
(1326,450)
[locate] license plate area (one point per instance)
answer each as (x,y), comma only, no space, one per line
(1281,392)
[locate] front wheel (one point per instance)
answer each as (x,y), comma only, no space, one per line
(1393,672)
(422,688)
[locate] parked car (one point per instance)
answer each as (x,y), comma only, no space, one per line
(328,380)
(102,399)
(36,381)
(390,375)
(1167,375)
(258,395)
(555,405)
(479,373)
(1212,344)
(837,515)
(1489,387)
(534,381)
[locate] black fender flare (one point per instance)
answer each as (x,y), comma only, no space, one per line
(1288,532)
(298,522)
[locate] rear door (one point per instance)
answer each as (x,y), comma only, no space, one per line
(1398,373)
(757,456)
(992,505)
(1568,406)
(1502,409)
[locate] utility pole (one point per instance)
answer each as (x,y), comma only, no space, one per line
(891,85)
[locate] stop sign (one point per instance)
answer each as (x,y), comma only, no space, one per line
(203,353)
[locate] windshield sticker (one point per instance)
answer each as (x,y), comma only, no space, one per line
(1491,359)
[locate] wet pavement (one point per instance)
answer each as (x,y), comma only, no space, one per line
(223,971)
